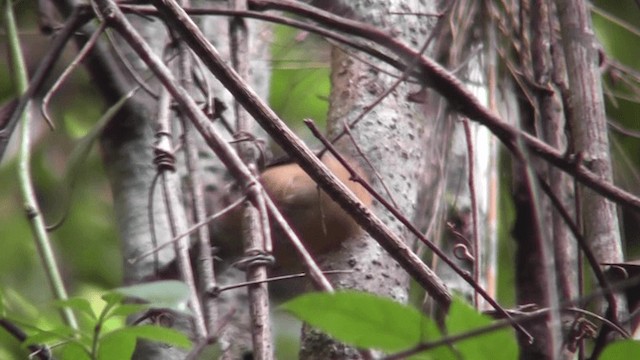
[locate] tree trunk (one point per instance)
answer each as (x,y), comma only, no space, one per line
(391,138)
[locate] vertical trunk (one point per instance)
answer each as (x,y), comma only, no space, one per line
(541,241)
(390,136)
(588,125)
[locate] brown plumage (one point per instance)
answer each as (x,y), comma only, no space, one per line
(321,223)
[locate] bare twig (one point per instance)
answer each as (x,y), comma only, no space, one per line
(435,76)
(407,223)
(66,73)
(285,137)
(165,163)
(195,188)
(474,206)
(78,17)
(257,232)
(40,351)
(188,232)
(109,12)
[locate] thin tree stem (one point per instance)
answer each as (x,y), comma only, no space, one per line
(34,215)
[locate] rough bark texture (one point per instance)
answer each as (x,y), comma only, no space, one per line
(535,269)
(589,126)
(589,131)
(548,71)
(391,137)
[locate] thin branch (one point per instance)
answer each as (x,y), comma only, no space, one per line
(195,189)
(274,279)
(67,72)
(78,17)
(165,164)
(405,75)
(177,18)
(616,20)
(432,75)
(375,171)
(127,65)
(40,351)
(319,280)
(189,231)
(27,190)
(537,315)
(257,232)
(474,206)
(409,225)
(623,130)
(328,34)
(109,12)
(582,243)
(435,76)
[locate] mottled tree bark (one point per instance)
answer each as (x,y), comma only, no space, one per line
(391,138)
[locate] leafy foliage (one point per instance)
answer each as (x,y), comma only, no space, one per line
(499,344)
(99,340)
(627,349)
(369,321)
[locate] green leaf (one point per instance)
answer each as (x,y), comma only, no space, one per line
(624,349)
(495,345)
(78,304)
(170,294)
(112,298)
(74,351)
(2,300)
(116,345)
(364,320)
(153,333)
(128,309)
(45,336)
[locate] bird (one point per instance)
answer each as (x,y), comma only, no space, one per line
(320,223)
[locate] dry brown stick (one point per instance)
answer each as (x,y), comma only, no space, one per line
(178,19)
(165,164)
(7,124)
(257,233)
(434,75)
(409,225)
(429,73)
(108,11)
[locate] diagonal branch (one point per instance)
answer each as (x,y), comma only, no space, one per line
(434,75)
(77,18)
(109,12)
(179,20)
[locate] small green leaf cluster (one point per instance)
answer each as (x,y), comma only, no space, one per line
(104,341)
